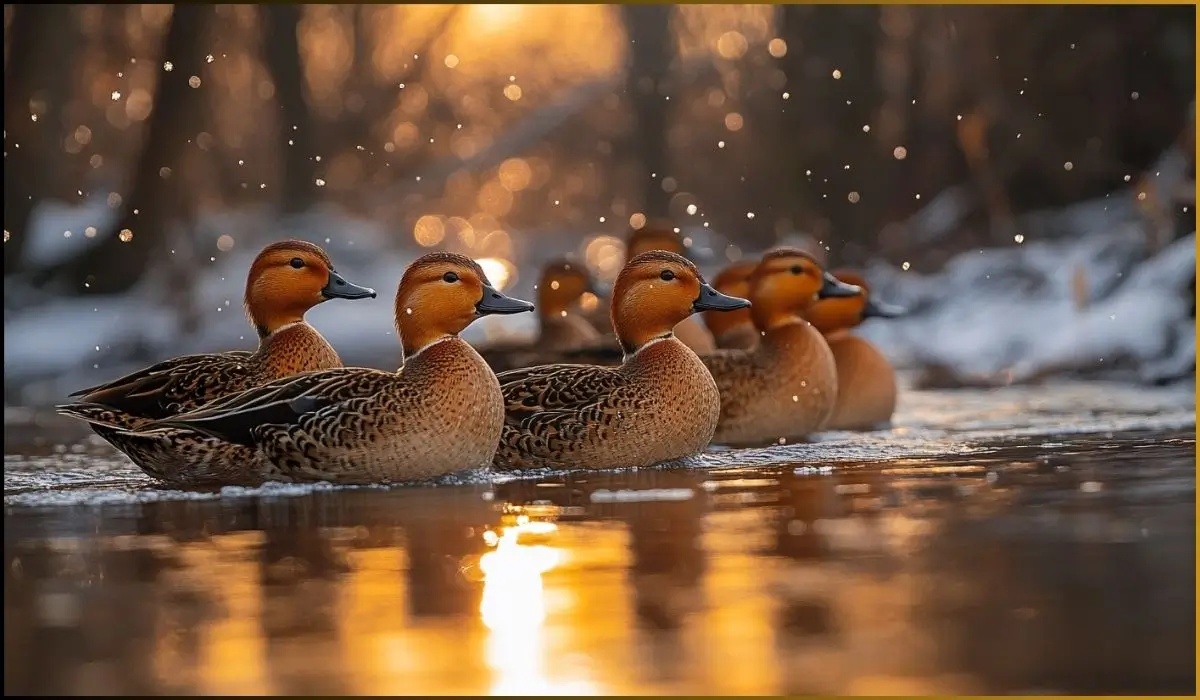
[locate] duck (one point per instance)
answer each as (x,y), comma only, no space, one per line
(866,396)
(786,387)
(286,279)
(733,330)
(440,413)
(660,234)
(660,404)
(561,325)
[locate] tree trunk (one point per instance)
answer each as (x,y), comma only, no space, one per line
(651,51)
(39,67)
(281,53)
(126,251)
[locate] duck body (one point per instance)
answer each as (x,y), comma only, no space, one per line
(117,411)
(357,425)
(660,404)
(594,417)
(440,413)
(785,387)
(867,388)
(866,384)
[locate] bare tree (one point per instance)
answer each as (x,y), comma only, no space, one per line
(120,259)
(281,53)
(650,55)
(38,69)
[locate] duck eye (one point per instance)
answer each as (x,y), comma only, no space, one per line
(667,275)
(797,270)
(297,263)
(450,277)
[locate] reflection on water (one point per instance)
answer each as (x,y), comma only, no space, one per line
(1033,569)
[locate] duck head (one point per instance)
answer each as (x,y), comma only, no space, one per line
(657,290)
(655,234)
(833,314)
(562,283)
(440,294)
(785,284)
(290,277)
(734,281)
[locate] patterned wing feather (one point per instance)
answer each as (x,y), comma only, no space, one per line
(174,385)
(283,402)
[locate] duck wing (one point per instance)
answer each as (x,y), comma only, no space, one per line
(173,385)
(563,402)
(281,402)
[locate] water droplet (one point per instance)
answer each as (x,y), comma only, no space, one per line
(691,209)
(320,182)
(194,81)
(905,265)
(1019,238)
(125,235)
(837,74)
(168,66)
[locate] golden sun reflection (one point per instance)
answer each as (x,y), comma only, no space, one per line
(513,609)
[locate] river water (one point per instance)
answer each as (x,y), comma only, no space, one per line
(1022,540)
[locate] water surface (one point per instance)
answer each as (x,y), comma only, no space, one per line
(1025,540)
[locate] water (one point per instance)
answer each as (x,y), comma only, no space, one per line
(1018,541)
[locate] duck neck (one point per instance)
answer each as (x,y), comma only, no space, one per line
(297,347)
(767,319)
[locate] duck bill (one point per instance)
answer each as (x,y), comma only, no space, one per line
(493,302)
(833,288)
(339,288)
(879,309)
(712,300)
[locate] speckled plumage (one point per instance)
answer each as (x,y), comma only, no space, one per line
(117,409)
(358,425)
(660,404)
(440,413)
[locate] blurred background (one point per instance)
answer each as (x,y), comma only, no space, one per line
(1022,178)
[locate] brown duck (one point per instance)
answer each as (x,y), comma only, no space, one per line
(660,404)
(786,387)
(286,279)
(866,397)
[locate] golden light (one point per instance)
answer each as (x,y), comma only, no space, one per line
(429,231)
(494,199)
(605,255)
(499,272)
(515,174)
(451,61)
(777,48)
(495,18)
(588,302)
(637,220)
(733,121)
(512,91)
(732,45)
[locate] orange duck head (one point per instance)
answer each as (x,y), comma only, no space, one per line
(287,279)
(834,314)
